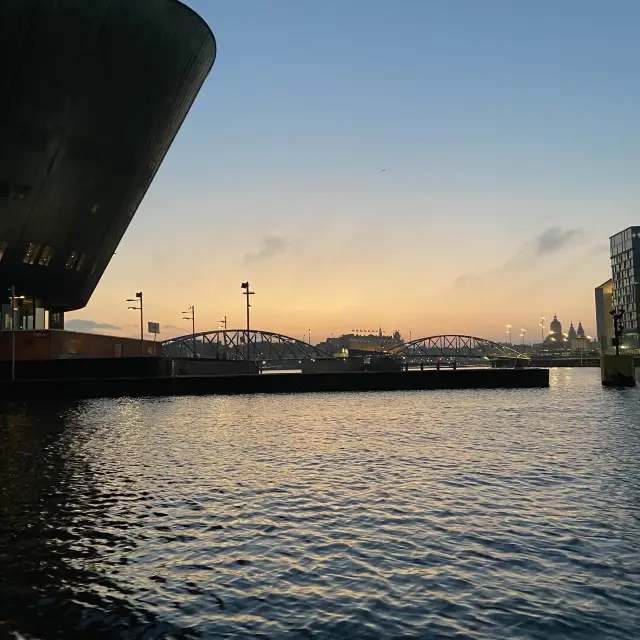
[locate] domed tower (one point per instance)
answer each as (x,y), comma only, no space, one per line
(572,333)
(555,328)
(580,330)
(555,339)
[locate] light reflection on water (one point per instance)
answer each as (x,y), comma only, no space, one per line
(486,514)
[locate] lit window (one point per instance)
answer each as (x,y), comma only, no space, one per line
(80,262)
(3,248)
(45,257)
(31,254)
(71,260)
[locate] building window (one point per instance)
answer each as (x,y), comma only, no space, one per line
(31,254)
(71,260)
(80,262)
(45,257)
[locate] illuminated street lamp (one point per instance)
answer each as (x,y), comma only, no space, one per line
(247,292)
(191,311)
(542,319)
(139,308)
(522,333)
(14,308)
(223,320)
(509,327)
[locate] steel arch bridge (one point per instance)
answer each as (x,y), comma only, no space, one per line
(457,346)
(240,344)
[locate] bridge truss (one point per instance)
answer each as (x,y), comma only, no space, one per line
(457,347)
(240,344)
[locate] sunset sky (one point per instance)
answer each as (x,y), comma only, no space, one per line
(507,131)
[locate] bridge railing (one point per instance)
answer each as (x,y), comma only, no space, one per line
(240,344)
(457,346)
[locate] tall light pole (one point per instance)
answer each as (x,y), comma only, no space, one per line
(542,319)
(222,326)
(138,298)
(509,327)
(14,309)
(192,316)
(309,337)
(247,292)
(13,333)
(12,298)
(522,333)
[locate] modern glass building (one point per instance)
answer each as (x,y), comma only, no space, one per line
(604,319)
(625,294)
(92,94)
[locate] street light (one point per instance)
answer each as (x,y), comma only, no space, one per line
(509,327)
(224,323)
(522,332)
(309,337)
(247,292)
(14,308)
(542,319)
(138,298)
(192,311)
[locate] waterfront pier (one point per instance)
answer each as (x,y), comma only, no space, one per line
(275,383)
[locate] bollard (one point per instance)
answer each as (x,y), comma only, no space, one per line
(617,371)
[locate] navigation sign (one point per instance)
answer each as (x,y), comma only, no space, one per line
(154,327)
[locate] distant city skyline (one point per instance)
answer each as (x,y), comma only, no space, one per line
(499,334)
(510,147)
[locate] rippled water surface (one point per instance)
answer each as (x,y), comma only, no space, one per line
(464,514)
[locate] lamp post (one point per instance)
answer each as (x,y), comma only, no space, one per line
(13,333)
(309,337)
(139,308)
(509,327)
(247,292)
(542,319)
(192,316)
(12,299)
(14,309)
(222,326)
(522,333)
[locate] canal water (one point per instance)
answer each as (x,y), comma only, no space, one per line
(453,514)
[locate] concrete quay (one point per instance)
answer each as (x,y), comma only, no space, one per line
(273,383)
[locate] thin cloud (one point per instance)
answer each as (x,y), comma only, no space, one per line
(553,239)
(270,247)
(600,249)
(89,326)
